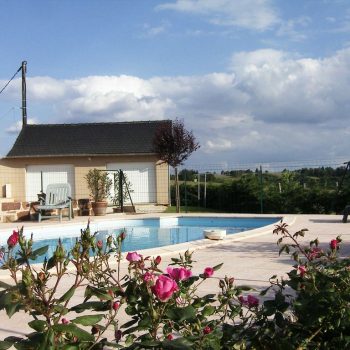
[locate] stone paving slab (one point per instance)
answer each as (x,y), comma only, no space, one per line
(251,259)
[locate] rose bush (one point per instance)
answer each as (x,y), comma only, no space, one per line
(307,310)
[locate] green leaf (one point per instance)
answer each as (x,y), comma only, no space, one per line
(5,299)
(208,310)
(51,263)
(5,345)
(177,314)
(70,347)
(12,308)
(92,291)
(60,309)
(88,320)
(129,339)
(217,267)
(150,343)
(67,295)
(177,344)
(73,329)
(38,252)
(280,321)
(244,288)
(93,305)
(113,345)
(129,323)
(37,325)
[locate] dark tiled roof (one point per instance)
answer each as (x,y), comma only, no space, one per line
(85,139)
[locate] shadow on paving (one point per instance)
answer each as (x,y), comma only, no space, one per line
(262,248)
(324,221)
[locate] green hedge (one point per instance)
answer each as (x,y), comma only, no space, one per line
(244,196)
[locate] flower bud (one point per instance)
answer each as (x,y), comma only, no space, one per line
(118,335)
(13,239)
(116,305)
(64,321)
(121,236)
(207,330)
(95,329)
(41,276)
(334,244)
(157,260)
(221,284)
(27,277)
(170,336)
(99,244)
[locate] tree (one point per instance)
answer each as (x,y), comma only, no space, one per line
(174,144)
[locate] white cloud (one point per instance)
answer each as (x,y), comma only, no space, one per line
(285,88)
(252,14)
(151,31)
(271,105)
(292,28)
(16,127)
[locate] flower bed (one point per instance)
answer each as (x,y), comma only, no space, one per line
(308,310)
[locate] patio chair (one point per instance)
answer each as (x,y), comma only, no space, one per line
(58,196)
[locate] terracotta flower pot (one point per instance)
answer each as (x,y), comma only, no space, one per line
(99,208)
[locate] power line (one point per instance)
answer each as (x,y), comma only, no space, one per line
(6,113)
(10,80)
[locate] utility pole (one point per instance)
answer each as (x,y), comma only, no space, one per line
(24,94)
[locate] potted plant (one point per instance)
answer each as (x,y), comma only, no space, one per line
(99,185)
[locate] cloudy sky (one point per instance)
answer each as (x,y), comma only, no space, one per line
(256,80)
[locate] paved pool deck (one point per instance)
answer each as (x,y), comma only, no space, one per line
(250,257)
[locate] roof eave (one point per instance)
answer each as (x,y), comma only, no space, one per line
(82,155)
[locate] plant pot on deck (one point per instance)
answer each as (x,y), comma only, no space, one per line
(99,208)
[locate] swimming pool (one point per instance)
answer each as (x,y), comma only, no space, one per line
(146,233)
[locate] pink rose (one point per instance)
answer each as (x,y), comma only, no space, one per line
(133,256)
(148,277)
(208,272)
(13,239)
(178,273)
(302,270)
(164,288)
(252,301)
(334,244)
(315,253)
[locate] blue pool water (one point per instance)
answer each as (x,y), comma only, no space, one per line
(151,233)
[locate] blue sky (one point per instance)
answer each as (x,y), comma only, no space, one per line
(256,80)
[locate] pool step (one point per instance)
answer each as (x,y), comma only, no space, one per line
(149,208)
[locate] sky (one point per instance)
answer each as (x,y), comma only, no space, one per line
(255,80)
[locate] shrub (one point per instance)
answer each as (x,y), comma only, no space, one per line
(308,310)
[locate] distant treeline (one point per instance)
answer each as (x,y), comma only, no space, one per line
(307,190)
